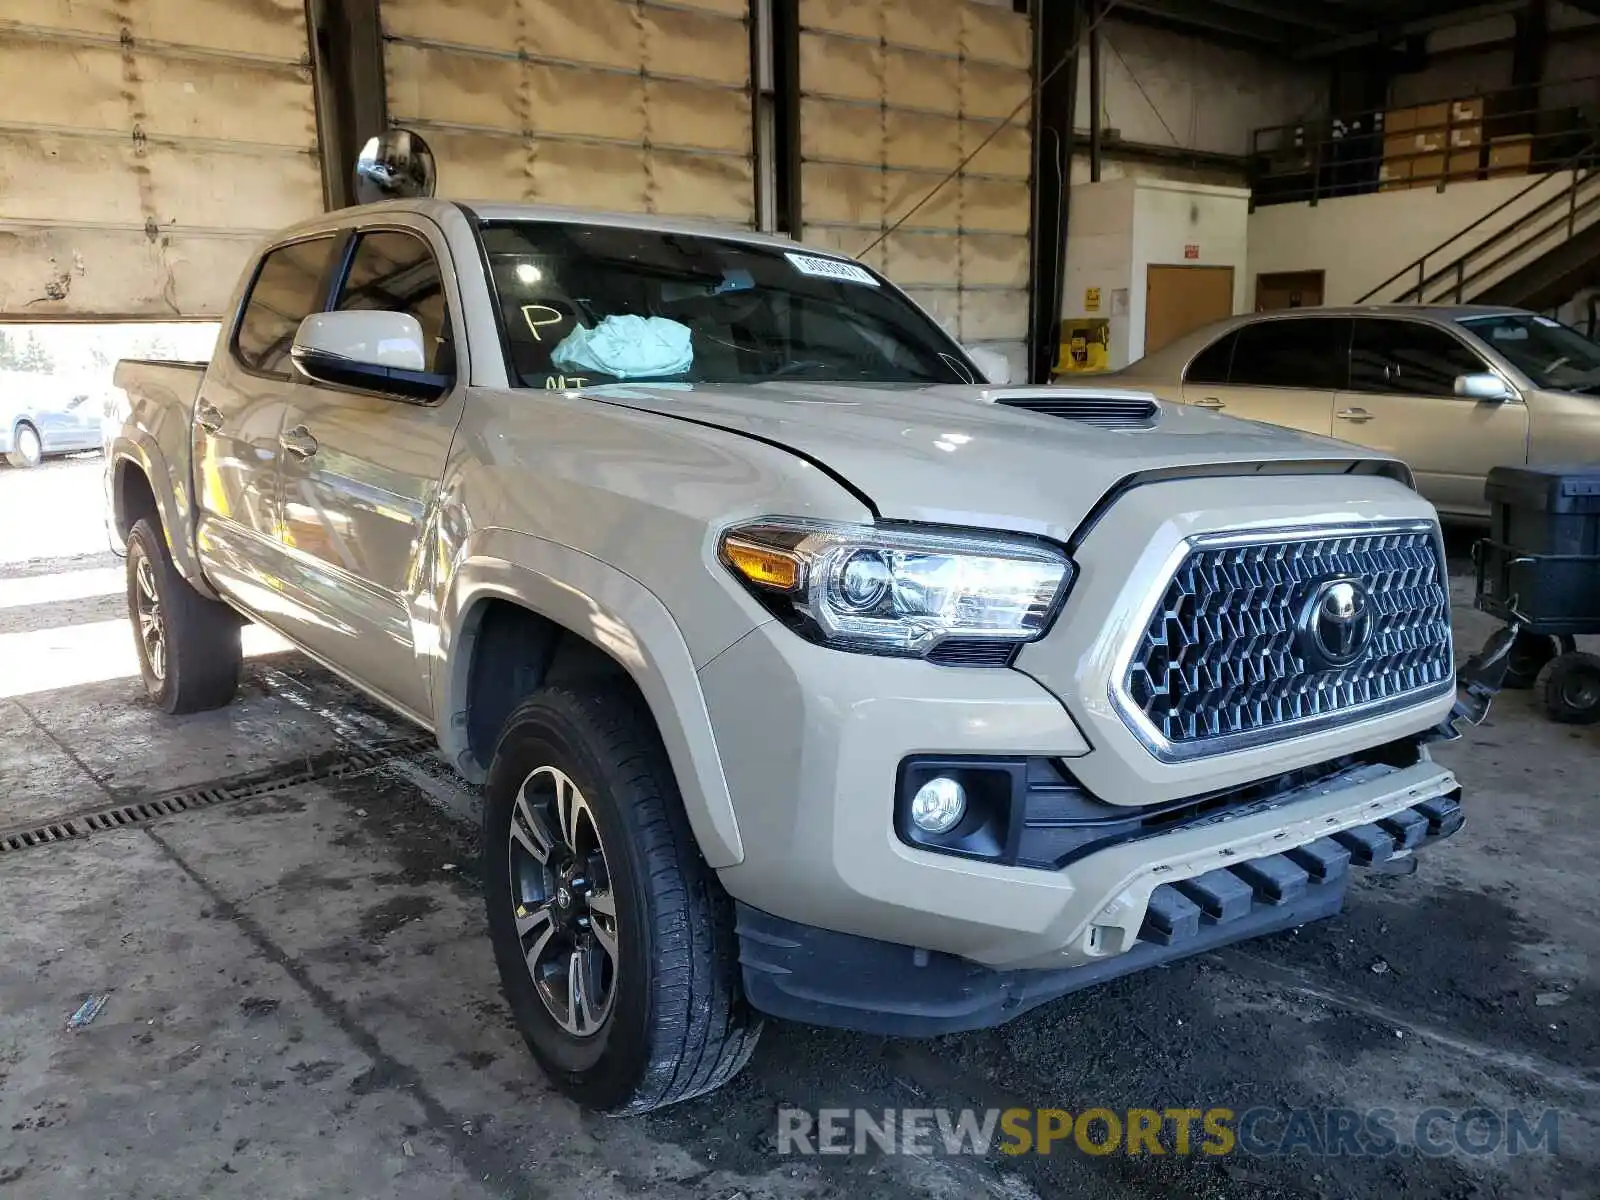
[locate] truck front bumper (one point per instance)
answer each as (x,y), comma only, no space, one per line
(820,977)
(844,922)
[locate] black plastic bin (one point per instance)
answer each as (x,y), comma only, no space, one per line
(1540,565)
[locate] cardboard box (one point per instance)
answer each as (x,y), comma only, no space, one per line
(1510,155)
(1465,137)
(1466,110)
(1428,169)
(1394,170)
(1431,141)
(1399,120)
(1399,146)
(1432,117)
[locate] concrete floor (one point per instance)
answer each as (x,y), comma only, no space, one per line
(302,1002)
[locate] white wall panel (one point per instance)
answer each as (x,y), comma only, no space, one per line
(895,94)
(145,148)
(1166,89)
(618,104)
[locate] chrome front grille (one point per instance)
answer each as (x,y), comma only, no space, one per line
(1223,664)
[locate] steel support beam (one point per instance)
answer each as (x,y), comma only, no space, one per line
(1096,83)
(1392,32)
(786,106)
(347,69)
(1057,28)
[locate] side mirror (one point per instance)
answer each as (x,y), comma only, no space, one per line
(993,364)
(1484,386)
(369,351)
(395,165)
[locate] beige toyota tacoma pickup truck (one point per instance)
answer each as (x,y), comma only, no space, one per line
(806,672)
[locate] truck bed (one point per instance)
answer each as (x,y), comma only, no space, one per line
(157,408)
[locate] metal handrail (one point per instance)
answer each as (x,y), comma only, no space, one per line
(1458,266)
(1568,193)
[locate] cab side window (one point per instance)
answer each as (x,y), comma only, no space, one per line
(392,271)
(1310,353)
(288,288)
(1408,358)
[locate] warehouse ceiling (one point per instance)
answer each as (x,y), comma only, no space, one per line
(1308,28)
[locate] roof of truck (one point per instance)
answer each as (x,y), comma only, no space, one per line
(499,210)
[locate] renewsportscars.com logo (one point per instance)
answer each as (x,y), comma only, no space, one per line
(1150,1132)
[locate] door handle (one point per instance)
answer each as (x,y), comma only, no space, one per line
(1358,415)
(1209,402)
(298,442)
(208,416)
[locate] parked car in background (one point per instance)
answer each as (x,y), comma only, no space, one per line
(1453,391)
(41,415)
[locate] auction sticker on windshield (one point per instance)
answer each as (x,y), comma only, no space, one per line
(830,268)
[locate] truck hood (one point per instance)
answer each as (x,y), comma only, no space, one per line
(955,455)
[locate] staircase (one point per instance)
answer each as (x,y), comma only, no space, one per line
(1534,251)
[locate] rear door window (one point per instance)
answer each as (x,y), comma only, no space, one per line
(1408,358)
(288,288)
(1312,353)
(1213,364)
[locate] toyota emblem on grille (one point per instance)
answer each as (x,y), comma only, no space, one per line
(1336,623)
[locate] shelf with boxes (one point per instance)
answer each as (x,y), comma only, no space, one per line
(1428,143)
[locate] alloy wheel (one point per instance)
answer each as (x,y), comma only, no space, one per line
(28,445)
(152,625)
(565,910)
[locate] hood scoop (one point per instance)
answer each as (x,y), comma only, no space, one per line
(1106,410)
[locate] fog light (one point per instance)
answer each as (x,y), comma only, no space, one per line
(939,805)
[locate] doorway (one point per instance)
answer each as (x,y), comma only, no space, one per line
(1288,289)
(1179,299)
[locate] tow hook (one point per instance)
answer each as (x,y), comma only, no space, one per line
(1477,683)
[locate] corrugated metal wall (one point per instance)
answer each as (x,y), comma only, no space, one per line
(616,104)
(894,93)
(145,146)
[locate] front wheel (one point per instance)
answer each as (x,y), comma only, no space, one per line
(614,940)
(26,448)
(189,652)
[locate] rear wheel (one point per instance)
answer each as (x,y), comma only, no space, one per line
(26,448)
(1572,690)
(614,940)
(189,653)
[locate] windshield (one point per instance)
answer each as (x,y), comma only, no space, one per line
(594,304)
(1554,356)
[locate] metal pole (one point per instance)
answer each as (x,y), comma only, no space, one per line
(1094,92)
(1056,27)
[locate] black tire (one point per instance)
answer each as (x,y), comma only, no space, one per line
(1529,656)
(677,1025)
(199,638)
(1572,689)
(27,449)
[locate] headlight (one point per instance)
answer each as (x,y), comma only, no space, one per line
(890,591)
